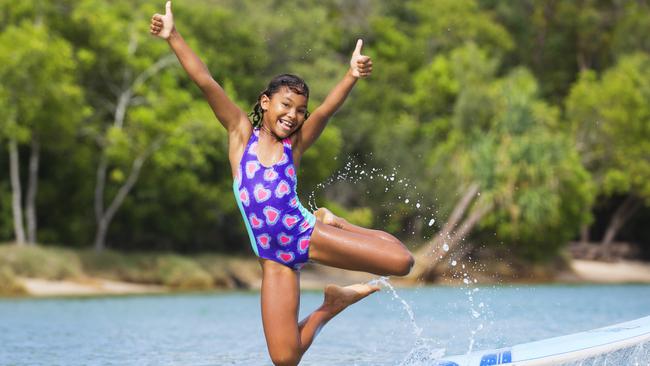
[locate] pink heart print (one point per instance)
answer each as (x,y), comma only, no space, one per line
(251,168)
(253,148)
(304,225)
(289,221)
(284,159)
(286,257)
(261,194)
(290,172)
(264,240)
(270,175)
(272,214)
(294,202)
(255,221)
(284,239)
(303,245)
(243,196)
(282,189)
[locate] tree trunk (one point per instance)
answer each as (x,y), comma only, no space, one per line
(107,216)
(32,189)
(427,257)
(621,216)
(16,194)
(104,217)
(584,234)
(457,214)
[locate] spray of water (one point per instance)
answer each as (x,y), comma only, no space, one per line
(424,350)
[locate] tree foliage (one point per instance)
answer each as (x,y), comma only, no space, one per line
(541,104)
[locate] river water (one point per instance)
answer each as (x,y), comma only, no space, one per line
(408,327)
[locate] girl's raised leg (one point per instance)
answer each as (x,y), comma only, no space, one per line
(286,339)
(337,243)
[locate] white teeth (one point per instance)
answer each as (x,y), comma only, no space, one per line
(286,124)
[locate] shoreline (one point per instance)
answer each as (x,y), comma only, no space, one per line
(316,277)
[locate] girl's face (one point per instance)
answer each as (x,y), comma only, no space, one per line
(284,112)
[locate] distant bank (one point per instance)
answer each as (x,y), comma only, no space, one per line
(52,271)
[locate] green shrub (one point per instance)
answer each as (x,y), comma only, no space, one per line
(9,284)
(42,262)
(182,273)
(129,267)
(217,266)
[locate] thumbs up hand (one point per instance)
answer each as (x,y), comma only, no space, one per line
(360,65)
(162,25)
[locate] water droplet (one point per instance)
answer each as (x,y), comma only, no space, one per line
(453,263)
(417,205)
(431,222)
(406,200)
(445,247)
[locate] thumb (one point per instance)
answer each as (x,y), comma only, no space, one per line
(168,8)
(357,49)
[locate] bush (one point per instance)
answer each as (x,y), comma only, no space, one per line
(182,273)
(42,262)
(9,284)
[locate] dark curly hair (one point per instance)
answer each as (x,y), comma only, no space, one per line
(295,83)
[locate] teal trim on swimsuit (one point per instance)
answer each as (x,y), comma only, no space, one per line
(243,213)
(311,219)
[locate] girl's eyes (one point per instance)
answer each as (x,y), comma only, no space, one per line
(285,104)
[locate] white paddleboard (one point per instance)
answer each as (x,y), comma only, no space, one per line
(562,349)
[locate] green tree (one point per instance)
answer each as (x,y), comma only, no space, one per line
(43,104)
(609,121)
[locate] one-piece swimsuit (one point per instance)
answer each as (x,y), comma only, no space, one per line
(278,226)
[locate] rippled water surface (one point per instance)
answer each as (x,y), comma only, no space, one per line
(225,328)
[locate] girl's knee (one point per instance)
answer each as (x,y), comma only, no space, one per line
(285,358)
(404,264)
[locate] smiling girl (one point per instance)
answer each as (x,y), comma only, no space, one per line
(264,158)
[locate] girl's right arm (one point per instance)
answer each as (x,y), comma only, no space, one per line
(227,112)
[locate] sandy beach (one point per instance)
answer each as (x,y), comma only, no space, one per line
(316,277)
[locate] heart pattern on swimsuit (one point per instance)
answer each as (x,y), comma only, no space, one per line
(289,221)
(253,149)
(264,240)
(304,225)
(251,168)
(284,159)
(272,214)
(261,194)
(255,221)
(303,245)
(244,197)
(290,172)
(270,175)
(293,202)
(284,239)
(286,257)
(282,189)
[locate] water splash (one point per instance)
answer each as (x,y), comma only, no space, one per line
(424,350)
(417,331)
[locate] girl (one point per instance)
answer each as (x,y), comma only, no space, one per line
(264,158)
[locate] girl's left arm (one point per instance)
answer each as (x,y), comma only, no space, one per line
(360,67)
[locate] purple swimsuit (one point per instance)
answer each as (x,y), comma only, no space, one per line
(278,226)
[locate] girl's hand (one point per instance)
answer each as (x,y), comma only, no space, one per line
(163,25)
(360,65)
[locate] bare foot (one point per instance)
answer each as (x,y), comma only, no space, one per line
(327,217)
(338,298)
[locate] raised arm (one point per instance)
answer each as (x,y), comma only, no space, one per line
(360,67)
(227,112)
